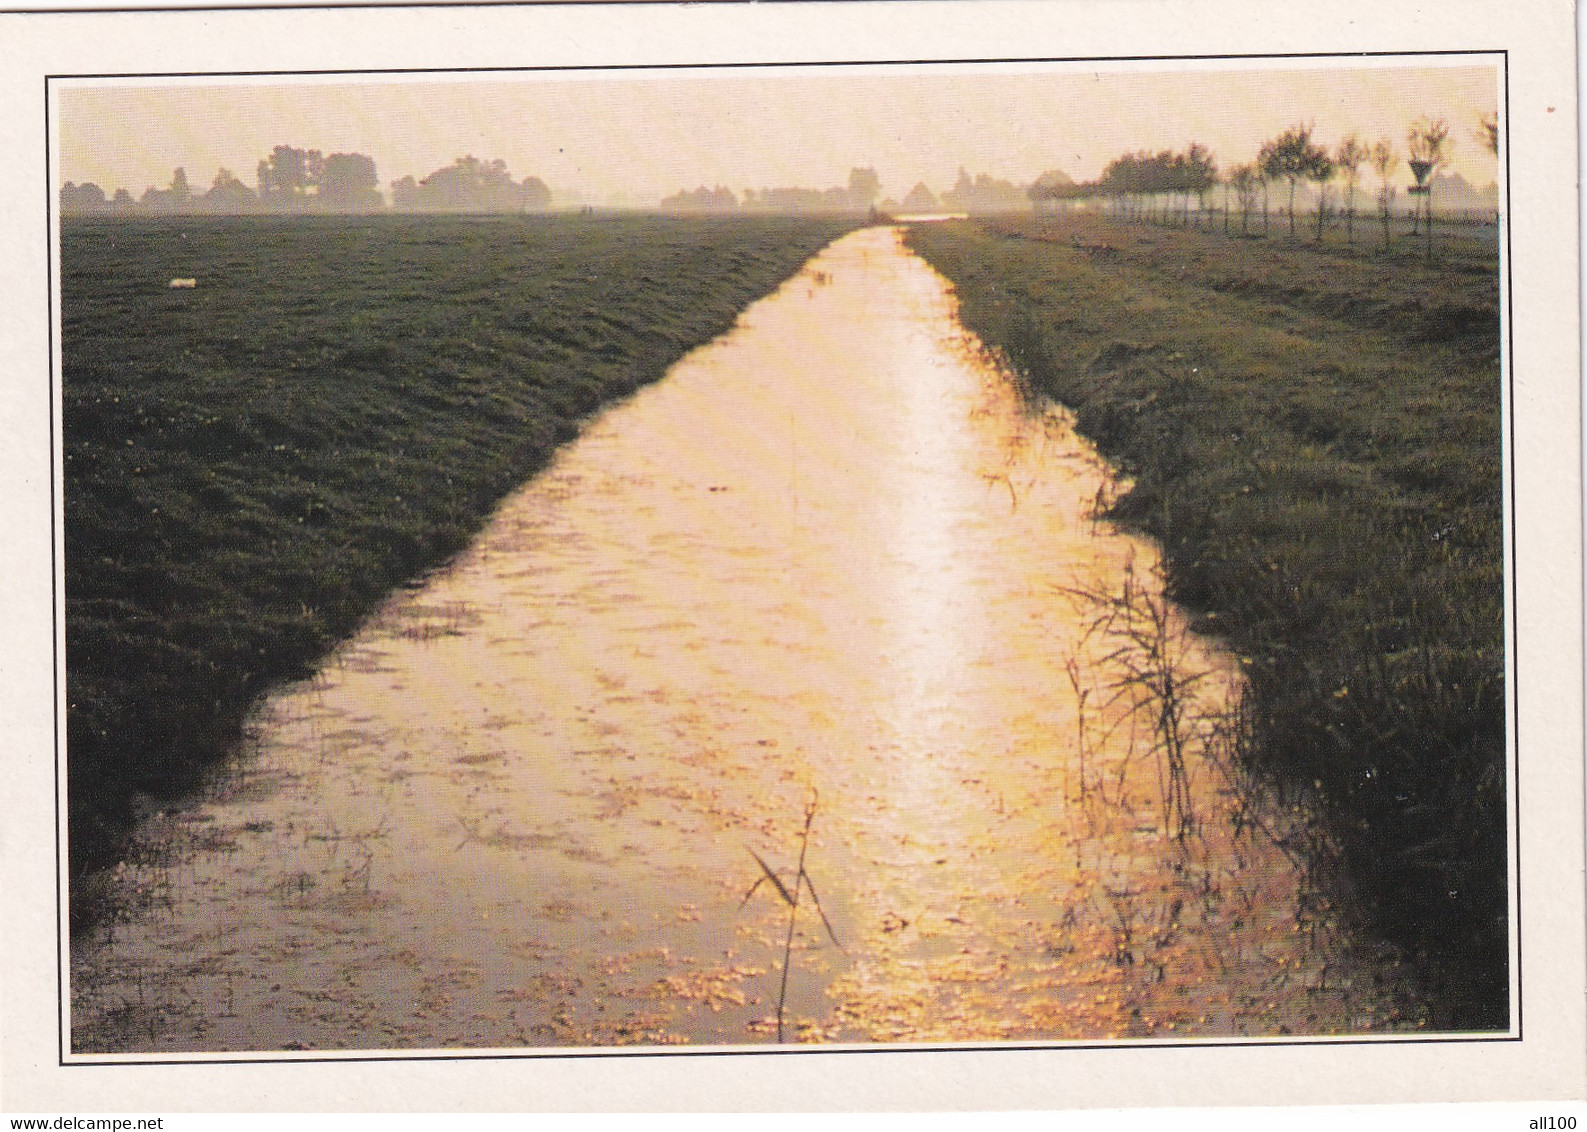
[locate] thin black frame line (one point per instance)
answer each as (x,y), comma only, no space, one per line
(1514,650)
(766,64)
(640,1053)
(427,5)
(1368,1040)
(57,566)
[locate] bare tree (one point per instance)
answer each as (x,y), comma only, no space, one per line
(1293,156)
(1384,161)
(1321,173)
(1348,158)
(1429,144)
(1488,132)
(1200,174)
(1246,181)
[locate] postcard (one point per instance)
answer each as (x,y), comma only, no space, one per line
(745,557)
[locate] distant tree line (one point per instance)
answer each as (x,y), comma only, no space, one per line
(857,196)
(470,185)
(1159,187)
(293,180)
(981,193)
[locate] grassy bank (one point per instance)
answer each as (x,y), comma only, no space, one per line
(1314,436)
(252,464)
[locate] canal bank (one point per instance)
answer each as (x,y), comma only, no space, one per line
(1315,436)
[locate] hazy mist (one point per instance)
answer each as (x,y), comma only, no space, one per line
(608,139)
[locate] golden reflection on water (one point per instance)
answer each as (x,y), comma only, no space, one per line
(832,552)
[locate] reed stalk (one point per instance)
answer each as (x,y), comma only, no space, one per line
(802,882)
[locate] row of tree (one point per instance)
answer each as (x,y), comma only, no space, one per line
(1160,186)
(857,196)
(471,185)
(305,180)
(981,193)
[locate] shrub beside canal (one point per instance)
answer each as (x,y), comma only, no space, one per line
(1314,437)
(333,408)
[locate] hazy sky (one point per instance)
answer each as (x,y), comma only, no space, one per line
(649,133)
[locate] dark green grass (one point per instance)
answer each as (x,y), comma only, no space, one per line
(1314,436)
(250,466)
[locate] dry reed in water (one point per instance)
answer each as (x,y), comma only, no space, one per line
(801,881)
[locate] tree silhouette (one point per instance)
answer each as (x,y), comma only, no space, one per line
(1384,162)
(1348,158)
(1177,181)
(1429,144)
(177,198)
(286,176)
(1160,179)
(702,199)
(1116,183)
(348,182)
(963,189)
(1054,186)
(1321,174)
(920,199)
(1199,174)
(1144,184)
(534,194)
(79,199)
(983,193)
(470,185)
(789,200)
(1292,156)
(864,186)
(405,194)
(297,180)
(1246,181)
(1266,183)
(1488,132)
(228,194)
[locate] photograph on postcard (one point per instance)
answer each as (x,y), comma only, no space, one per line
(898,555)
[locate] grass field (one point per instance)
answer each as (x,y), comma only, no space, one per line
(1314,436)
(252,464)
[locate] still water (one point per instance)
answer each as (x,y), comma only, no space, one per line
(834,560)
